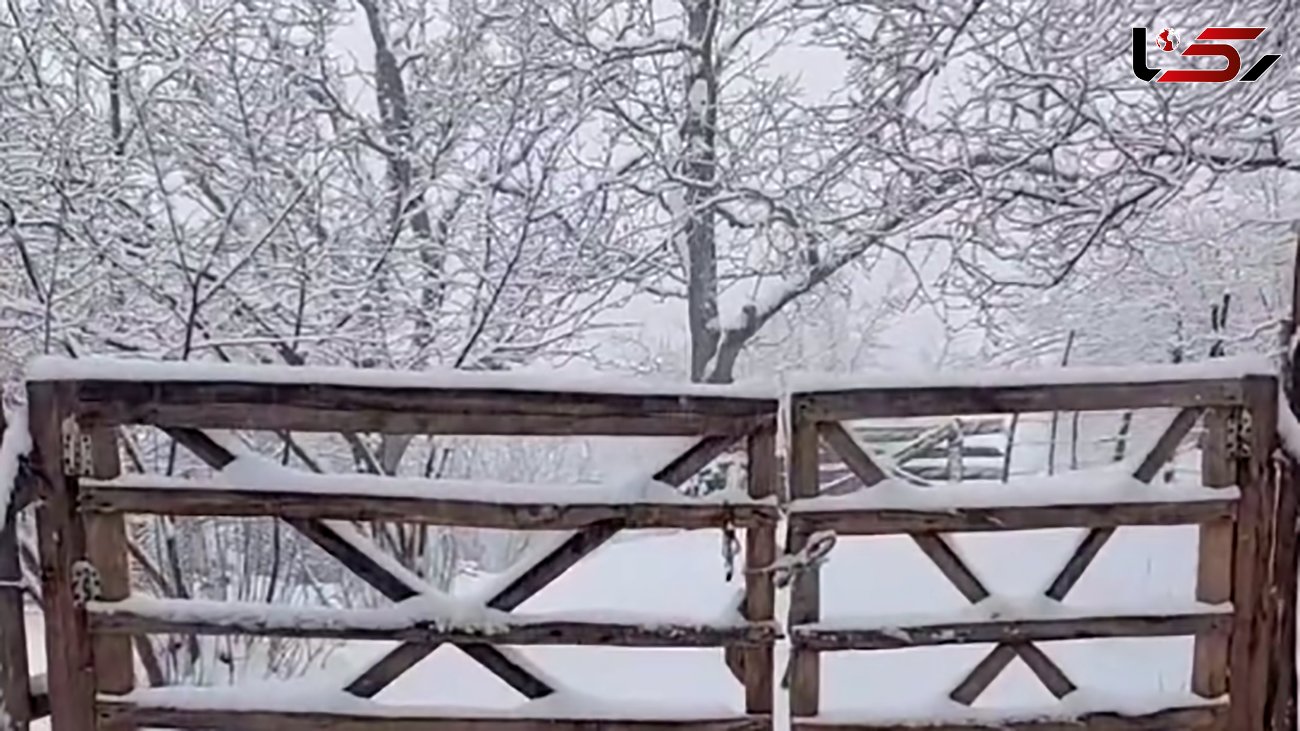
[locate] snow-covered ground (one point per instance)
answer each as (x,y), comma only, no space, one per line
(682,574)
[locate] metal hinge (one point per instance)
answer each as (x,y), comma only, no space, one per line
(76,450)
(1240,434)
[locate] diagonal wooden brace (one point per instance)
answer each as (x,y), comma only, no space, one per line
(581,544)
(993,664)
(392,586)
(949,563)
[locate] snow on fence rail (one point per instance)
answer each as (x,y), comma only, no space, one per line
(89,498)
(1246,549)
(1244,610)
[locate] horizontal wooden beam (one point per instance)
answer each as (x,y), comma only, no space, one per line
(298,505)
(1012,630)
(958,400)
(876,522)
(1204,718)
(335,408)
(116,714)
(105,619)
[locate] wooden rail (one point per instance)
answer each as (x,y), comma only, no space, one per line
(1246,553)
(1243,549)
(85,515)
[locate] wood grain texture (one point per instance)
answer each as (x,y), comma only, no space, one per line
(879,522)
(107,619)
(882,403)
(1010,631)
(1215,554)
(334,408)
(763,477)
(123,497)
(1211,718)
(62,540)
(804,673)
(115,715)
(1250,651)
(540,575)
(15,687)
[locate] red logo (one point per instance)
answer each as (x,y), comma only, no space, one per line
(1168,41)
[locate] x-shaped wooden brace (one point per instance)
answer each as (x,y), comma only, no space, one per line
(940,552)
(396,588)
(537,578)
(503,662)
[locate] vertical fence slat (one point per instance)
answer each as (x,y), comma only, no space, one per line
(15,688)
(1282,594)
(1214,556)
(760,554)
(1249,652)
(805,593)
(62,543)
(108,551)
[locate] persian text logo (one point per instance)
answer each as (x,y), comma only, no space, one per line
(1168,41)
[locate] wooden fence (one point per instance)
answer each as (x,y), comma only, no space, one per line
(1244,650)
(1246,556)
(91,670)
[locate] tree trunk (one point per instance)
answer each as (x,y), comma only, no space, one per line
(699,167)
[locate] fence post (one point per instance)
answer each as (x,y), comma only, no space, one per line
(1214,554)
(62,541)
(805,594)
(1250,654)
(1282,595)
(108,552)
(15,684)
(760,554)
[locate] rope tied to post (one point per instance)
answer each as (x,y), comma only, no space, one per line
(814,553)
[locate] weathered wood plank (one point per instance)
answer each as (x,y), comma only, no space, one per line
(1209,718)
(108,550)
(15,690)
(1214,554)
(760,590)
(579,545)
(333,408)
(951,565)
(1281,712)
(117,714)
(1084,554)
(874,522)
(107,619)
(804,672)
(15,681)
(62,539)
(1167,445)
(857,460)
(1249,656)
(374,573)
(1022,630)
(124,497)
(956,401)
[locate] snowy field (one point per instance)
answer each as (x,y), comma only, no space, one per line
(682,574)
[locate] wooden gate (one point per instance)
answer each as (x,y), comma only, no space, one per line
(73,418)
(1246,569)
(1243,670)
